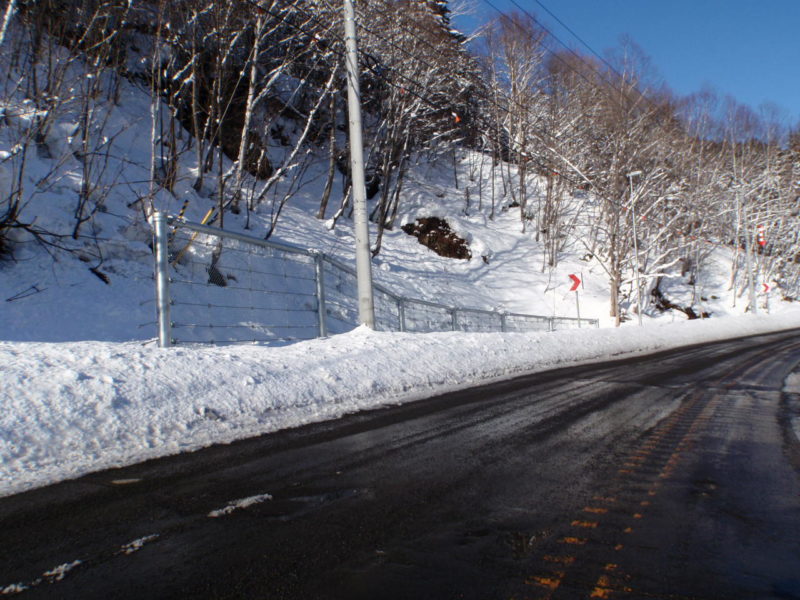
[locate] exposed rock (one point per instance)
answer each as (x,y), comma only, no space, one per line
(664,304)
(435,233)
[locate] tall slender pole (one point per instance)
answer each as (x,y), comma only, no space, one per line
(366,310)
(12,6)
(750,275)
(159,221)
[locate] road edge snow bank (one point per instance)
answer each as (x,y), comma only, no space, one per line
(75,408)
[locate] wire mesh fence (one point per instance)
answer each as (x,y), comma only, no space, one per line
(341,310)
(478,320)
(224,289)
(421,316)
(561,323)
(219,287)
(522,323)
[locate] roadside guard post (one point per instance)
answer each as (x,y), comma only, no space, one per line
(576,281)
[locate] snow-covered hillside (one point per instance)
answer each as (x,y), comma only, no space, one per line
(84,387)
(85,247)
(103,286)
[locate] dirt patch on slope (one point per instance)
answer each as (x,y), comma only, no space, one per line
(435,233)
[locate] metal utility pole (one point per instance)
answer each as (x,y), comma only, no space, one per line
(159,222)
(366,309)
(636,248)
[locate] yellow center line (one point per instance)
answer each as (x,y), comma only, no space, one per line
(549,582)
(562,560)
(653,448)
(585,524)
(609,499)
(595,510)
(575,541)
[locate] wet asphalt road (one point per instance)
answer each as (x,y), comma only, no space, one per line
(672,476)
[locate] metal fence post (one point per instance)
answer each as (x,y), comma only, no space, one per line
(551,324)
(401,314)
(503,322)
(454,315)
(319,269)
(162,280)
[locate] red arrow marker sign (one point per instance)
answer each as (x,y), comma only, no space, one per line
(575,282)
(766,288)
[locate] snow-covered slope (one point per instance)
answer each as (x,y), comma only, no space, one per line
(506,271)
(84,387)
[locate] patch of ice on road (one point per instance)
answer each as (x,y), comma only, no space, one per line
(137,545)
(237,504)
(58,573)
(14,588)
(55,574)
(792,383)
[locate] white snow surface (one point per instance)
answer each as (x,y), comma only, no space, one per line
(73,408)
(137,544)
(792,384)
(235,505)
(83,387)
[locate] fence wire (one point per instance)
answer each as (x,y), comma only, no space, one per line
(560,323)
(426,316)
(478,320)
(224,290)
(524,323)
(229,288)
(341,298)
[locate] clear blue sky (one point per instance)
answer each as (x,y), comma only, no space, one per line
(748,49)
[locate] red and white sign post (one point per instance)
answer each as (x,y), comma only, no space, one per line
(762,237)
(575,283)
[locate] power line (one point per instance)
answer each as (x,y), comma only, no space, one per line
(571,51)
(575,35)
(555,54)
(588,47)
(486,97)
(510,100)
(491,101)
(407,79)
(489,126)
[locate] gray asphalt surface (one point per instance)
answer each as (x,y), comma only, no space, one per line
(671,476)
